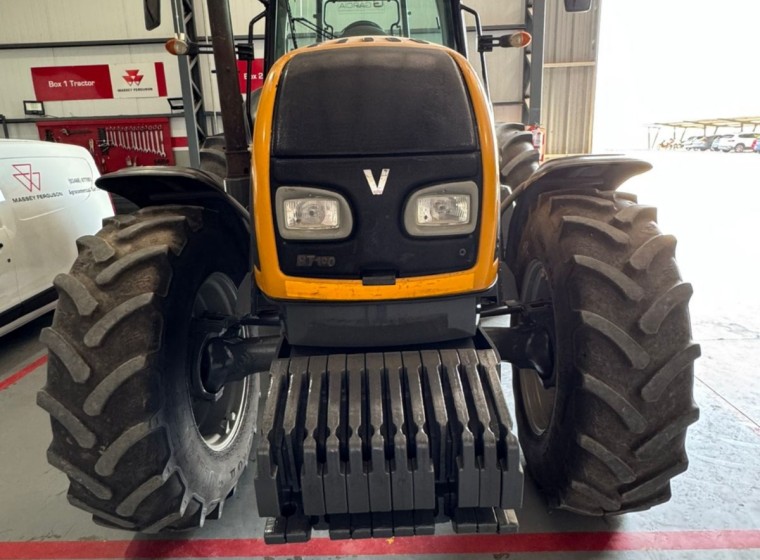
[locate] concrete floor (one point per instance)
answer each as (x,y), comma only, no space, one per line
(711,202)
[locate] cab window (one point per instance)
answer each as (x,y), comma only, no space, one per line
(303,22)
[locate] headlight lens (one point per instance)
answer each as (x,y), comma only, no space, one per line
(443,210)
(309,213)
(449,209)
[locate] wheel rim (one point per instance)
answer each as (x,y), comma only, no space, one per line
(219,421)
(538,401)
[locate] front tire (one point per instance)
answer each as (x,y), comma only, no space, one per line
(604,431)
(142,451)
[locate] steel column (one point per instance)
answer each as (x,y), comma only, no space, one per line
(535,15)
(190,79)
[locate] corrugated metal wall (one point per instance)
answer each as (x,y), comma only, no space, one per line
(570,63)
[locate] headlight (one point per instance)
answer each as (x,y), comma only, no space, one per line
(449,209)
(443,210)
(309,213)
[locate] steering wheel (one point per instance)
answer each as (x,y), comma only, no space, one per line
(362,27)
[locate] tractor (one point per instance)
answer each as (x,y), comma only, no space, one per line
(337,295)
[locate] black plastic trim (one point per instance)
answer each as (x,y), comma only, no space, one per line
(378,243)
(345,102)
(29,306)
(380,324)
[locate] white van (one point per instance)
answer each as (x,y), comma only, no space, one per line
(48,199)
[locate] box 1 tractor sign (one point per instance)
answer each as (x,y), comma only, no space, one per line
(99,81)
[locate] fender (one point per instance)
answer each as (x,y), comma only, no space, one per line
(157,185)
(600,172)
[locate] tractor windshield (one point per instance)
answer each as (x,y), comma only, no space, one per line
(303,22)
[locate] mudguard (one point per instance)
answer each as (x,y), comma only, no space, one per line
(158,185)
(155,185)
(593,172)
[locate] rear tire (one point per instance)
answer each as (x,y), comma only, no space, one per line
(141,450)
(610,434)
(739,148)
(518,159)
(213,158)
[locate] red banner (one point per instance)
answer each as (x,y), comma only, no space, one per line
(99,81)
(67,83)
(257,73)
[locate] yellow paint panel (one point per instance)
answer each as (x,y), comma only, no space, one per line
(277,285)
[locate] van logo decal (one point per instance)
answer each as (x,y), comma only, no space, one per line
(377,188)
(27,176)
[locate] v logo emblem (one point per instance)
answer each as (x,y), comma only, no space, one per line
(376,187)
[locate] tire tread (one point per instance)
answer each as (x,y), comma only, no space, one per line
(624,342)
(83,435)
(118,455)
(623,327)
(126,264)
(97,334)
(614,276)
(72,360)
(98,397)
(95,487)
(652,319)
(84,301)
(106,465)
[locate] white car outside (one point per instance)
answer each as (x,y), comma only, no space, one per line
(740,142)
(48,199)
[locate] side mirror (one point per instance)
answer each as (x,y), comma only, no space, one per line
(577,5)
(152,9)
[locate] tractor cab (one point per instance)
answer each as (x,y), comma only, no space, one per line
(298,23)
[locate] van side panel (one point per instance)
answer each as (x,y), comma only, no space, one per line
(50,200)
(53,207)
(8,282)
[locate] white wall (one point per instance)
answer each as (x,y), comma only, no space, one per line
(48,21)
(44,21)
(19,62)
(37,21)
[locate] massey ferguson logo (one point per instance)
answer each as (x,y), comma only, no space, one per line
(27,176)
(133,77)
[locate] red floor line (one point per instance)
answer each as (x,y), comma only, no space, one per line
(417,546)
(23,372)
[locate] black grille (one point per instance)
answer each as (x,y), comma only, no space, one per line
(372,101)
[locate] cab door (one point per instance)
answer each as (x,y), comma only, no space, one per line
(9,295)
